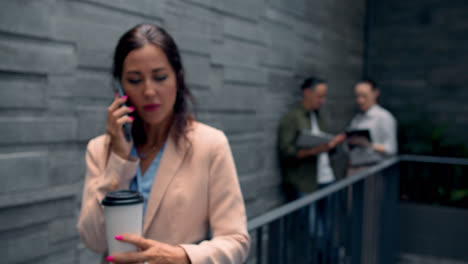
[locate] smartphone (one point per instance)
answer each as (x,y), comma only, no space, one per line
(126,126)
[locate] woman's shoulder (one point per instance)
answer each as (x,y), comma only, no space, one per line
(206,135)
(385,114)
(99,144)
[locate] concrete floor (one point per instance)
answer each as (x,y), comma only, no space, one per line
(407,258)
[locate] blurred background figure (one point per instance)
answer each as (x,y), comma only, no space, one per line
(308,169)
(381,143)
(380,123)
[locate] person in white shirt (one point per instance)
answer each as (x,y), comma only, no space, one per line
(382,128)
(381,124)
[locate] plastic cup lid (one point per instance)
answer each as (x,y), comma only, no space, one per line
(122,197)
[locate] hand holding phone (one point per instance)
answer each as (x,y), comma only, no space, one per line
(126,126)
(118,124)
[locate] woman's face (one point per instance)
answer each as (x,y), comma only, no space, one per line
(150,83)
(366,97)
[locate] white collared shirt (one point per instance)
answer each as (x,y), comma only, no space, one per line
(383,130)
(324,170)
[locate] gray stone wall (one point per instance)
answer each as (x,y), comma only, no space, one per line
(418,52)
(245,60)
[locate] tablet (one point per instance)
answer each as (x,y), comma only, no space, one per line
(362,133)
(359,133)
(307,139)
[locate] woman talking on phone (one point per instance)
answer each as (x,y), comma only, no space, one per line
(193,209)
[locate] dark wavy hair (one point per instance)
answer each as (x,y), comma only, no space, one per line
(136,38)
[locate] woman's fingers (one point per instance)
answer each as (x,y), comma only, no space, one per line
(136,240)
(124,119)
(129,257)
(116,118)
(122,111)
(116,104)
(114,127)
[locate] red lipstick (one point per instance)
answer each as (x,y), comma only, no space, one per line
(151,107)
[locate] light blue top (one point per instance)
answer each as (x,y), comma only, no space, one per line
(143,183)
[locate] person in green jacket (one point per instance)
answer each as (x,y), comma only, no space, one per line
(306,170)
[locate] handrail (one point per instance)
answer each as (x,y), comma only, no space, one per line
(381,233)
(315,196)
(434,159)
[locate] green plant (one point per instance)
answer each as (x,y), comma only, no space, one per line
(420,135)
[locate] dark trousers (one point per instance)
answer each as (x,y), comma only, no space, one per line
(325,220)
(320,220)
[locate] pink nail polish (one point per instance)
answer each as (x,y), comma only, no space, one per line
(131,108)
(124,97)
(132,118)
(109,258)
(118,237)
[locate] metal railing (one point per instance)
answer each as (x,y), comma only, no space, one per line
(368,198)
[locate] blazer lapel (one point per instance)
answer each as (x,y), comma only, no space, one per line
(170,163)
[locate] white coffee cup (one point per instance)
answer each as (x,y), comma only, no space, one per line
(123,213)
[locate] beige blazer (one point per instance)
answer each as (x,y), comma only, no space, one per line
(195,200)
